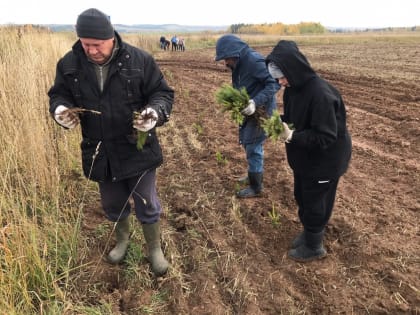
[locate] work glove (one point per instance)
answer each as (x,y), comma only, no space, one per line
(250,109)
(287,134)
(146,120)
(65,117)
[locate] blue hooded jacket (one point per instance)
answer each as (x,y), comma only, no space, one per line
(250,72)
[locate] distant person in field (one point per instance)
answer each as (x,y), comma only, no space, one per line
(174,41)
(162,42)
(101,75)
(167,45)
(181,44)
(318,146)
(249,71)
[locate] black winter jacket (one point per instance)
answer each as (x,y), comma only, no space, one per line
(321,144)
(134,80)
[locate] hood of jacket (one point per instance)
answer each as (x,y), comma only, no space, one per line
(292,63)
(229,46)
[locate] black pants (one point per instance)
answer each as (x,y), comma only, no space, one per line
(115,198)
(315,198)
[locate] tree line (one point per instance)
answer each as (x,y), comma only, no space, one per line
(278,28)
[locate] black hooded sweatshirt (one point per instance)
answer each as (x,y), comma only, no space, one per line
(321,144)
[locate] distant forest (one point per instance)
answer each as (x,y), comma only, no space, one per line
(278,28)
(301,28)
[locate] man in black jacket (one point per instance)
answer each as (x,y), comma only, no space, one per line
(318,146)
(115,90)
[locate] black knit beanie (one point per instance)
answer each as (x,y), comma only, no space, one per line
(93,23)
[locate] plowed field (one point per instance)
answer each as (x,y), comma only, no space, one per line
(228,256)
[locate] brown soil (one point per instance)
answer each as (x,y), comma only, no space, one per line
(228,256)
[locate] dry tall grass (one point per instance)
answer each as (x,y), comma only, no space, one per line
(37,208)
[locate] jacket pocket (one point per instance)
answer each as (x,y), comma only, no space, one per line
(133,84)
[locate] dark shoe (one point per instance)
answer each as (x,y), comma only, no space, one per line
(298,240)
(248,193)
(312,249)
(255,186)
(305,254)
(256,181)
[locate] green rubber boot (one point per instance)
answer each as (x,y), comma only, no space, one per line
(155,255)
(122,232)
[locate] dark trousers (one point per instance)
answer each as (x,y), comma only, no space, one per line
(315,198)
(115,198)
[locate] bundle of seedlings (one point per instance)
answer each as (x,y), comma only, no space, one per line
(79,110)
(142,135)
(233,101)
(75,112)
(273,126)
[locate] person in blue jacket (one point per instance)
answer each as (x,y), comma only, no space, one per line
(318,147)
(249,71)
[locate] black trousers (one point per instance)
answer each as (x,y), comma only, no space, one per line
(315,198)
(115,198)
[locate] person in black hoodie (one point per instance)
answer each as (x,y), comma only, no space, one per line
(318,144)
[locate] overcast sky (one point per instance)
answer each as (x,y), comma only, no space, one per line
(336,13)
